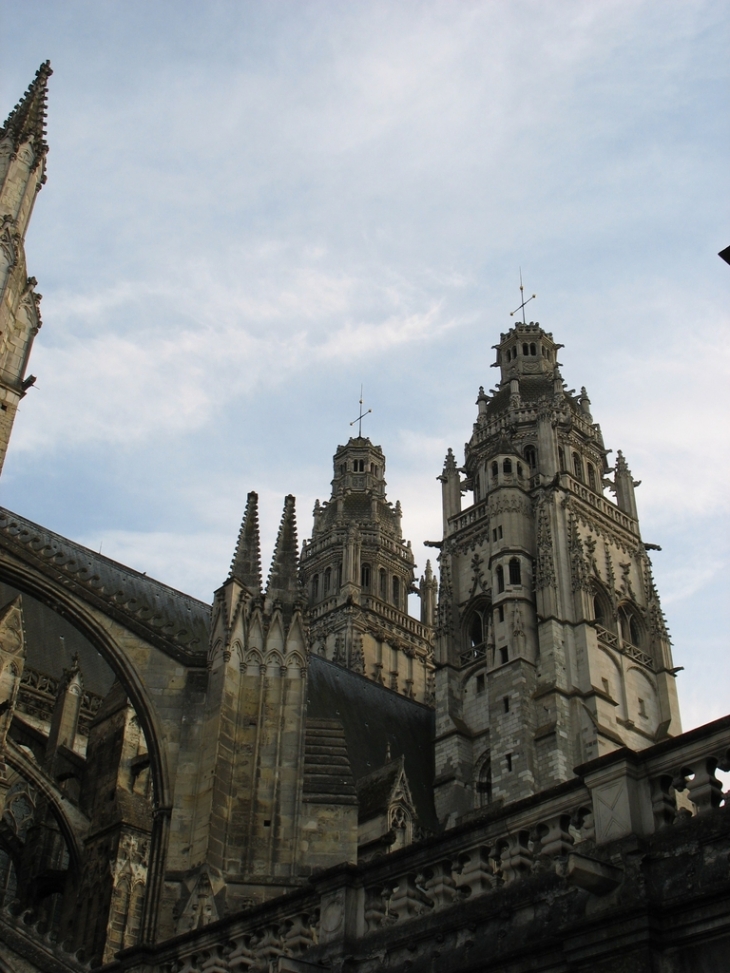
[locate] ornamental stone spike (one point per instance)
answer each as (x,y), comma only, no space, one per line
(283,582)
(27,121)
(246,564)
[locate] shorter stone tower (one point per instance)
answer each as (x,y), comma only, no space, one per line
(357,572)
(551,644)
(23,151)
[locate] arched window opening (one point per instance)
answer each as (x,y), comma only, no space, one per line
(591,477)
(495,469)
(519,469)
(383,584)
(515,573)
(500,578)
(525,349)
(476,630)
(507,466)
(531,457)
(315,587)
(396,592)
(631,630)
(503,654)
(339,575)
(561,458)
(365,576)
(577,467)
(484,784)
(533,348)
(327,580)
(598,611)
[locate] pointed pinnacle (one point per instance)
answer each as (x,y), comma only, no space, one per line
(246,563)
(27,121)
(283,582)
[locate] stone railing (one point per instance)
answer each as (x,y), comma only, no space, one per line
(569,836)
(600,504)
(612,641)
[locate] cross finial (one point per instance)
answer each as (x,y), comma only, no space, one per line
(522,298)
(360,417)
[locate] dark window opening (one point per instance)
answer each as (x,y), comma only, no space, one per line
(503,654)
(525,349)
(519,469)
(396,592)
(578,467)
(642,708)
(365,575)
(480,684)
(327,580)
(383,584)
(485,783)
(500,613)
(531,456)
(315,587)
(591,477)
(476,635)
(495,469)
(508,759)
(515,572)
(500,579)
(598,611)
(533,348)
(507,466)
(505,704)
(561,458)
(477,486)
(339,575)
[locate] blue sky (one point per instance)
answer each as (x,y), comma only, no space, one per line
(253,208)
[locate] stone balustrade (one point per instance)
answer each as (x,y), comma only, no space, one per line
(566,836)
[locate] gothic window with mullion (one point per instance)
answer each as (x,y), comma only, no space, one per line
(475,634)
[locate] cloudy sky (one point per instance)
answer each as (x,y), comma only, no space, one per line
(254,207)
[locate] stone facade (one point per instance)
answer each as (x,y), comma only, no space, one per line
(301,776)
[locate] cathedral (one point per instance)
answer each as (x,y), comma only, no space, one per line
(302,776)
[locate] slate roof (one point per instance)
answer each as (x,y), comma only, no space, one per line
(169,619)
(374,717)
(327,774)
(374,790)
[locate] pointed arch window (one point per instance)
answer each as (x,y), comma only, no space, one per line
(533,348)
(591,476)
(383,584)
(327,581)
(396,592)
(507,466)
(515,572)
(577,467)
(495,469)
(315,587)
(484,784)
(525,349)
(531,457)
(500,578)
(365,576)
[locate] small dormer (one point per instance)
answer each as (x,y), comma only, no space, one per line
(359,467)
(526,350)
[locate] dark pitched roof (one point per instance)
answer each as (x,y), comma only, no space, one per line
(373,718)
(327,773)
(169,619)
(375,789)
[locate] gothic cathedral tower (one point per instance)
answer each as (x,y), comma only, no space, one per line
(358,571)
(22,173)
(551,645)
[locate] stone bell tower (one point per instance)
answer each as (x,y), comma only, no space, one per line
(551,645)
(23,151)
(357,572)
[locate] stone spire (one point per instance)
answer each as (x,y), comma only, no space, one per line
(27,121)
(246,564)
(283,582)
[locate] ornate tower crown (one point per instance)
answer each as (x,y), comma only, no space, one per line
(359,467)
(526,350)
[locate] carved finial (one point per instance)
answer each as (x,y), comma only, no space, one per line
(246,564)
(27,121)
(450,462)
(283,582)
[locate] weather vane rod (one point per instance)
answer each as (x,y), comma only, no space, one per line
(522,296)
(360,417)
